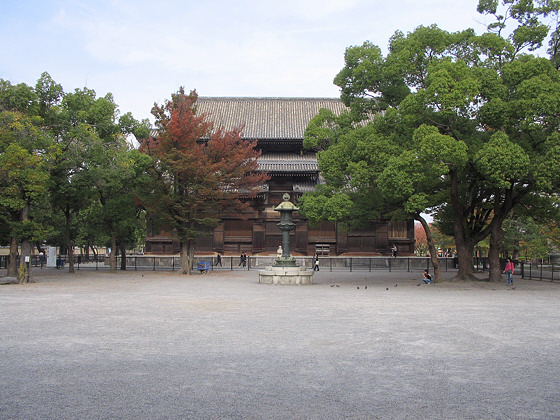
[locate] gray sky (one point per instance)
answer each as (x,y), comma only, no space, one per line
(142,51)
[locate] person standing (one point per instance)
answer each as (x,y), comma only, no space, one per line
(316,262)
(510,268)
(394,250)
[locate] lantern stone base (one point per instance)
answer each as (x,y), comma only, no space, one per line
(286,275)
(285,262)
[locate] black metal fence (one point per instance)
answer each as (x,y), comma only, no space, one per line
(539,270)
(527,270)
(234,263)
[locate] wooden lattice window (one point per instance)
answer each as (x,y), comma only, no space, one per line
(398,229)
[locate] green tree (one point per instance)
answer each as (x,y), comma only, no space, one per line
(92,162)
(113,215)
(197,173)
(468,129)
(23,183)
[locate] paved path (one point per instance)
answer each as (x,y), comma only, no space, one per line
(153,345)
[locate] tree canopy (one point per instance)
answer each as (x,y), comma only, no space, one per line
(198,172)
(458,124)
(62,155)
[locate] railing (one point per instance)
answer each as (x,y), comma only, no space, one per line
(234,263)
(527,270)
(540,271)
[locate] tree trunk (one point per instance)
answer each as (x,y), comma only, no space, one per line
(496,235)
(69,246)
(465,247)
(123,255)
(24,274)
(465,252)
(12,258)
(431,247)
(496,239)
(25,258)
(515,253)
(187,256)
(113,254)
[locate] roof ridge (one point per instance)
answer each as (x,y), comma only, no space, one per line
(267,98)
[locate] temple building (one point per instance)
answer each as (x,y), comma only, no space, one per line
(277,125)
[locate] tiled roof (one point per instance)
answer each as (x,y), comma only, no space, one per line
(288,162)
(266,118)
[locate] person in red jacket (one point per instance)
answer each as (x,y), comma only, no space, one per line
(509,271)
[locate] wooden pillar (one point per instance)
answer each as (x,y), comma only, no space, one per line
(382,237)
(259,238)
(341,240)
(218,241)
(301,237)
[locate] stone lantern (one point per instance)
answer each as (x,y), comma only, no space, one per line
(285,271)
(286,225)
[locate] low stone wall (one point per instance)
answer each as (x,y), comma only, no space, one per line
(286,275)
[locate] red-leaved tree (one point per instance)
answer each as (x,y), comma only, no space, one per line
(197,172)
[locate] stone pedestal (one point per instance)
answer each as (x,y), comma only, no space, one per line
(286,275)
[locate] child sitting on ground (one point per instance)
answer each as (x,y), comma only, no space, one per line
(426,277)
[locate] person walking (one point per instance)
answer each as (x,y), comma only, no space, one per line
(219,260)
(316,262)
(394,250)
(510,268)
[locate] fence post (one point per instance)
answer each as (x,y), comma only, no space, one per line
(330,262)
(390,259)
(370,264)
(173,263)
(154,269)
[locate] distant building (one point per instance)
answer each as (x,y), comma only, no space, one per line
(278,126)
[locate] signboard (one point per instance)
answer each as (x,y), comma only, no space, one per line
(51,256)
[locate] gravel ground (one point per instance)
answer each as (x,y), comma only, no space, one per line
(159,345)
